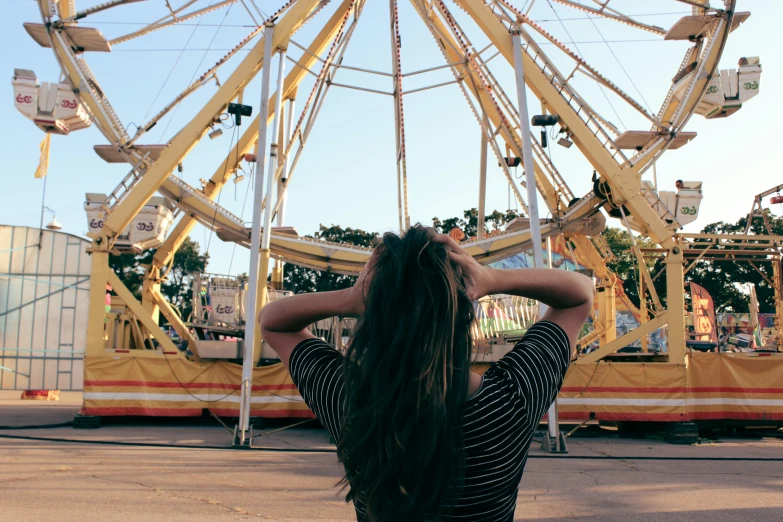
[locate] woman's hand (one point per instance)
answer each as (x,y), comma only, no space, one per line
(479,279)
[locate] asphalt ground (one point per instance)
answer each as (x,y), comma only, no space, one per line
(187,471)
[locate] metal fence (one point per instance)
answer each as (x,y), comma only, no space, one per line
(498,317)
(44,295)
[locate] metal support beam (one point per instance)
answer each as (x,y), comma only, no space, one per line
(553,441)
(777,278)
(285,132)
(99,274)
(186,138)
(176,322)
(605,299)
(482,185)
(399,121)
(527,156)
(135,307)
(675,300)
(255,246)
(643,312)
(623,341)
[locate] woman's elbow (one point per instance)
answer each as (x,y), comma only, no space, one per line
(587,287)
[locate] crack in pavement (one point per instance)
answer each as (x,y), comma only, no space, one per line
(19,479)
(210,501)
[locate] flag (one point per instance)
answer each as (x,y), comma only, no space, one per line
(703,313)
(43,161)
(757,341)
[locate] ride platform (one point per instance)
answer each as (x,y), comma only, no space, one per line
(709,387)
(727,386)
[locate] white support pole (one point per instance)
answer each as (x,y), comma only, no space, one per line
(255,245)
(273,149)
(532,203)
(552,426)
(402,182)
(282,194)
(527,157)
(482,187)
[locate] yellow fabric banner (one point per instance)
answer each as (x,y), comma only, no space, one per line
(43,160)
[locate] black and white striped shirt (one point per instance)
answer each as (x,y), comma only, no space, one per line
(499,418)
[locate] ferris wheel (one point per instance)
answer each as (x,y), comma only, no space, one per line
(495,51)
(555,71)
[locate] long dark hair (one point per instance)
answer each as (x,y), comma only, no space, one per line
(406,375)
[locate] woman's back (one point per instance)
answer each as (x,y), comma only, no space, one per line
(498,420)
(419,435)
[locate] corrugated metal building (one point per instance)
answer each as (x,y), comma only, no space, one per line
(44,295)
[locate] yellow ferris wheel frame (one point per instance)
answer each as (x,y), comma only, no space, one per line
(620,175)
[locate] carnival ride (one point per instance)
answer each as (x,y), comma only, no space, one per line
(672,385)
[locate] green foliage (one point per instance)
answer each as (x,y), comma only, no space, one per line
(469,222)
(176,288)
(300,279)
(722,279)
(625,265)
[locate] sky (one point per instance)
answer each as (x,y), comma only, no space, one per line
(347,175)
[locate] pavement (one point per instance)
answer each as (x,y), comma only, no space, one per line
(65,474)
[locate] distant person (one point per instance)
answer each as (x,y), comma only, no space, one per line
(678,184)
(420,436)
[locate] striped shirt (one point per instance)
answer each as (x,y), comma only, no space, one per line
(498,421)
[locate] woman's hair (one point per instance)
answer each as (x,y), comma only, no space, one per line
(406,375)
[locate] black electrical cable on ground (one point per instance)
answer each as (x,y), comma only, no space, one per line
(39,426)
(318,450)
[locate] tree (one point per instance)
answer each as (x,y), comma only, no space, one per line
(176,288)
(625,264)
(469,222)
(724,280)
(300,279)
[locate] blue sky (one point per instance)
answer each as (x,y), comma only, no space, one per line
(347,173)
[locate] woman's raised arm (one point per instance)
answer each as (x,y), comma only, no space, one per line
(569,295)
(284,322)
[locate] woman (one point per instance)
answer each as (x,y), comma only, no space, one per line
(422,438)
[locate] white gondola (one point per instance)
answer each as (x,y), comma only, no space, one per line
(728,89)
(53,107)
(147,230)
(219,307)
(680,207)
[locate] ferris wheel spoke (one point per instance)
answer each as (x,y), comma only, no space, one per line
(125,208)
(581,65)
(494,108)
(206,77)
(704,4)
(316,98)
(172,19)
(611,14)
(593,73)
(98,8)
(202,80)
